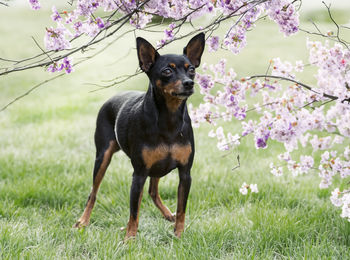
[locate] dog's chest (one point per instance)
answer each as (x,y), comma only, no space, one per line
(163,157)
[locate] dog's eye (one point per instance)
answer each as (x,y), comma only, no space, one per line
(191,71)
(167,72)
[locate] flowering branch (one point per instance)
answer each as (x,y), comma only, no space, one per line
(331,97)
(330,35)
(44,63)
(283,117)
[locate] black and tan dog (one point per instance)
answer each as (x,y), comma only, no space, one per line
(153,129)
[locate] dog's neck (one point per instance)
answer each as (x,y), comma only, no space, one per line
(167,118)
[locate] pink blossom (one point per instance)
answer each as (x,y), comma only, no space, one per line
(246,187)
(56,38)
(66,64)
(213,43)
(299,66)
(34,4)
(236,39)
(55,15)
(306,163)
(140,20)
(284,14)
(168,35)
(277,171)
(335,198)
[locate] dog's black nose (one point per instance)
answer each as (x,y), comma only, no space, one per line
(188,84)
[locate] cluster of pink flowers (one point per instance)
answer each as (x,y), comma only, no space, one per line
(34,4)
(225,142)
(178,9)
(91,26)
(84,19)
(283,12)
(168,35)
(246,187)
(213,43)
(230,97)
(66,64)
(333,64)
(140,20)
(342,199)
(235,39)
(284,112)
(56,38)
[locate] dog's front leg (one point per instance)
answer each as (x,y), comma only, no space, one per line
(136,191)
(182,195)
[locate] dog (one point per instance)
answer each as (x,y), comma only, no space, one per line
(153,129)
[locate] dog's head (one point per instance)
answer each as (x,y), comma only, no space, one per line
(172,75)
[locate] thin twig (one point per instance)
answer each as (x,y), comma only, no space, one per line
(294,81)
(123,19)
(30,91)
(5,4)
(37,44)
(237,166)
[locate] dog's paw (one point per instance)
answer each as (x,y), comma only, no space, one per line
(177,233)
(80,224)
(129,238)
(171,218)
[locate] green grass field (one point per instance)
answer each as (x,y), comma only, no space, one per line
(47,155)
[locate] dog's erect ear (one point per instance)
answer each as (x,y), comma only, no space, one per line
(195,48)
(146,53)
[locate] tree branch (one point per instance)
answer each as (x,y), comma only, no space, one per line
(5,4)
(298,83)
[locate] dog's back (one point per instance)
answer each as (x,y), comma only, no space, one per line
(110,111)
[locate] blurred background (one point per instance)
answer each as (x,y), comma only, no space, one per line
(47,154)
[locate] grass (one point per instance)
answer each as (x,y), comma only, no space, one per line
(47,155)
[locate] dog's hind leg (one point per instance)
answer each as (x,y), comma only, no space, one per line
(153,192)
(106,146)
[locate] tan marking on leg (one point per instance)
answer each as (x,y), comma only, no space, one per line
(133,223)
(181,153)
(85,218)
(131,229)
(153,192)
(152,155)
(179,224)
(180,214)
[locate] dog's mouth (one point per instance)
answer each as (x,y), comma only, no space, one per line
(182,95)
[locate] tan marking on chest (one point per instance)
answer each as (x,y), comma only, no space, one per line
(180,153)
(152,155)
